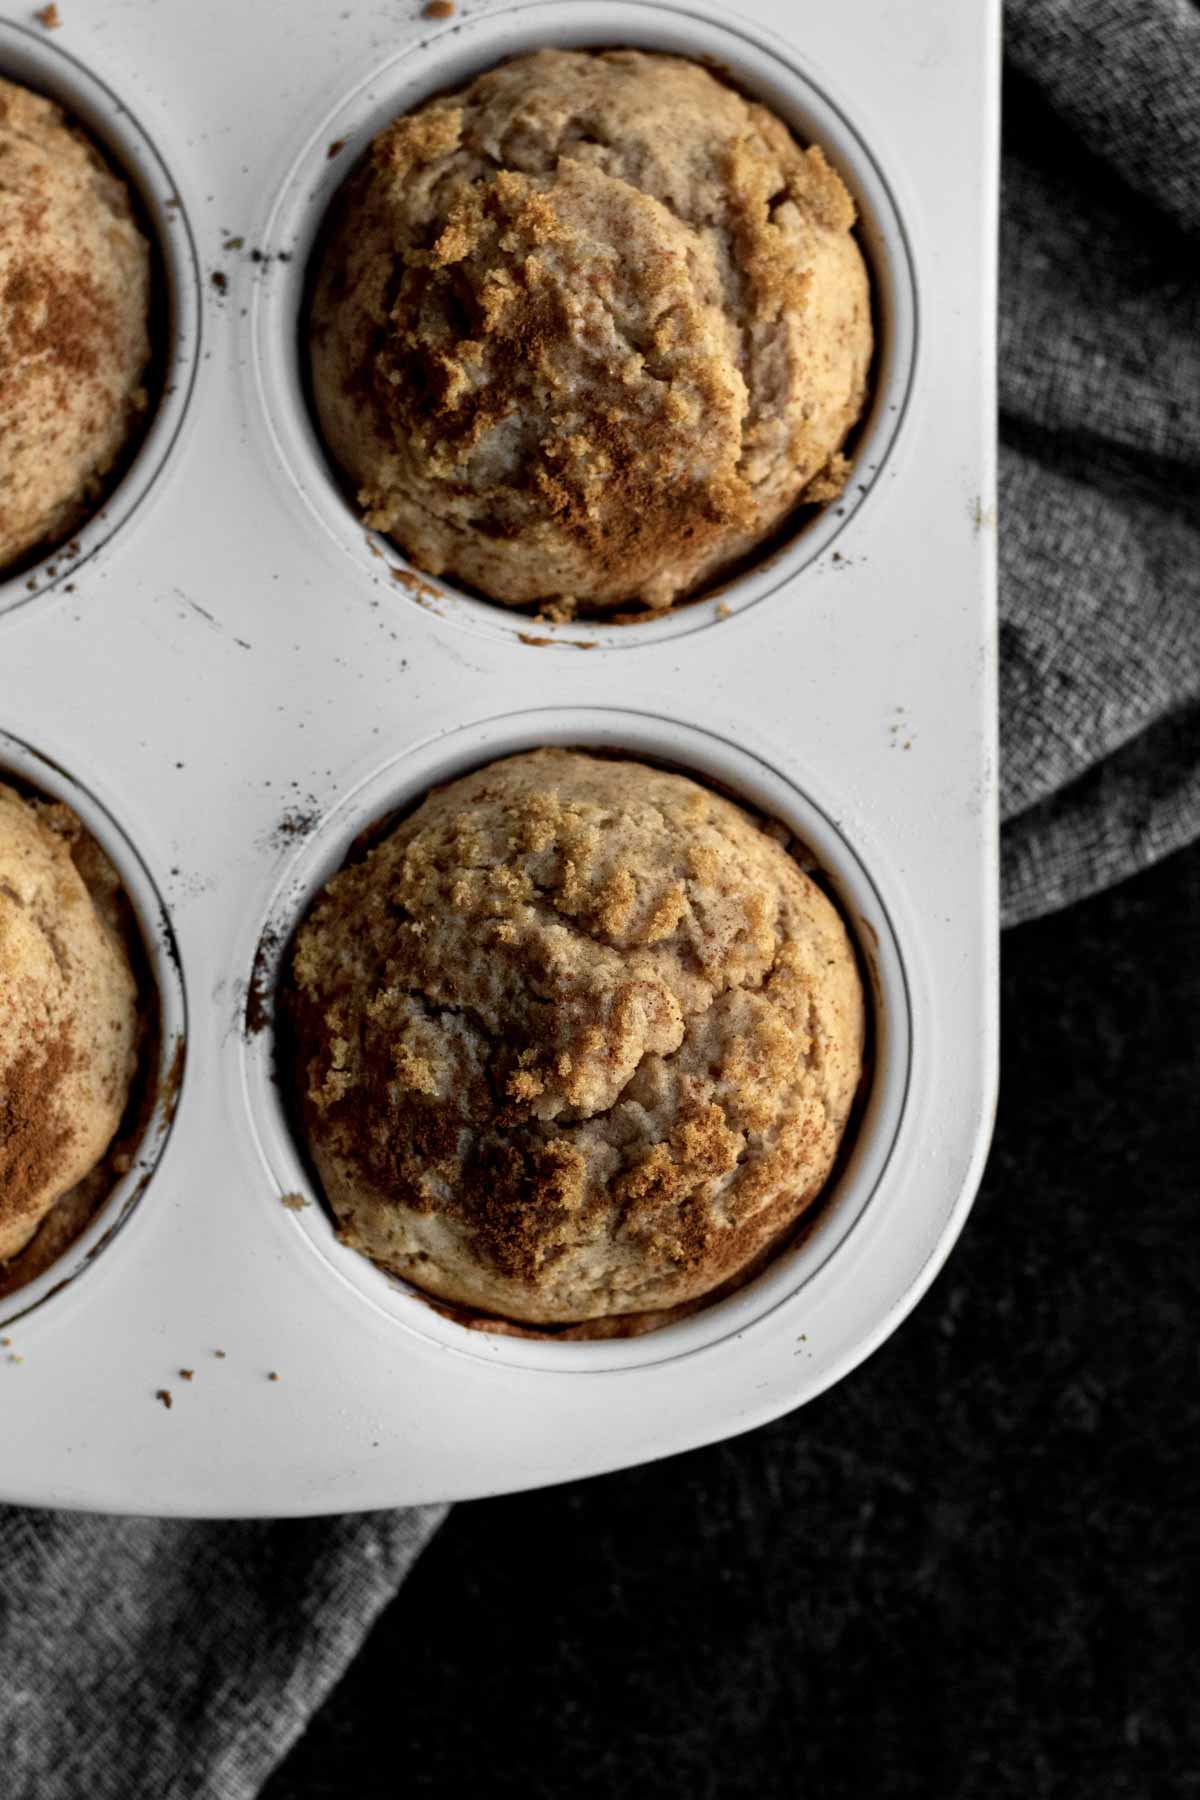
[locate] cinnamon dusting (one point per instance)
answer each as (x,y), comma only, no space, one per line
(604,377)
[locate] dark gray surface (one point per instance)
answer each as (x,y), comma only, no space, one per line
(964,1573)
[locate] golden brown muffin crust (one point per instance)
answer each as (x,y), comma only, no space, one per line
(585,331)
(74,299)
(577,1038)
(68,1019)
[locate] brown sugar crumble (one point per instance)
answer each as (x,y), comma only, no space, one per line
(48,17)
(597,291)
(68,1061)
(257,1014)
(76,302)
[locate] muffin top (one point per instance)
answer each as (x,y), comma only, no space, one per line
(68,1019)
(577,1039)
(74,299)
(585,331)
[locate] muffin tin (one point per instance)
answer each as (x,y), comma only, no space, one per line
(228,677)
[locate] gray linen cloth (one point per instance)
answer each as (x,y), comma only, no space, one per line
(153,1661)
(1099,444)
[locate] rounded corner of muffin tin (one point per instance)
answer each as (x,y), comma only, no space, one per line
(873,916)
(759,64)
(31,57)
(38,771)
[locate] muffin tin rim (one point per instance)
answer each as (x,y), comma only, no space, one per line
(413,771)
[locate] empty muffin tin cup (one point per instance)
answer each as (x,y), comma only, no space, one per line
(762,68)
(160,1075)
(398,785)
(30,58)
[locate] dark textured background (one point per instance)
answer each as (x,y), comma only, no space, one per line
(963,1573)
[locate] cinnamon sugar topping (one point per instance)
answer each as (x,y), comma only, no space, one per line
(586,330)
(578,1039)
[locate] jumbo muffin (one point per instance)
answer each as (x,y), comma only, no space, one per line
(576,1039)
(585,331)
(74,344)
(69,1023)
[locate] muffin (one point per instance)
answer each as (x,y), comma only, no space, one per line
(584,332)
(69,1021)
(74,306)
(577,1039)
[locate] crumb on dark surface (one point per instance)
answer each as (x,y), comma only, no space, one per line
(164,1395)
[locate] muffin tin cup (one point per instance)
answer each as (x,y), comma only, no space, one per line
(53,1287)
(764,70)
(869,913)
(245,683)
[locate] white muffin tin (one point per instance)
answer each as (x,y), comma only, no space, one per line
(225,677)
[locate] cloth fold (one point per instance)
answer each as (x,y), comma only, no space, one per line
(156,1661)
